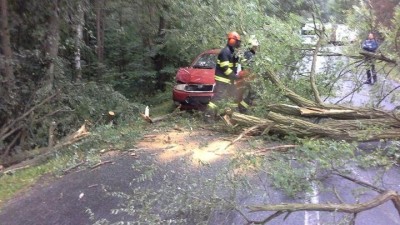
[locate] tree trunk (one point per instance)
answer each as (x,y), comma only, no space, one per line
(7,68)
(160,60)
(99,5)
(292,122)
(336,112)
(53,39)
(312,74)
(298,100)
(80,20)
(378,56)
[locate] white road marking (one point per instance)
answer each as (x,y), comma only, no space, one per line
(312,218)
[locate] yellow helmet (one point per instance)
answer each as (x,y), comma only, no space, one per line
(253,42)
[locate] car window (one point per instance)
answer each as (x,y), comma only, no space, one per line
(308,32)
(206,61)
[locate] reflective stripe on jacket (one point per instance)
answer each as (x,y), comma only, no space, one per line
(227,62)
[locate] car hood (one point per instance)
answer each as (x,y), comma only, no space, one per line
(195,76)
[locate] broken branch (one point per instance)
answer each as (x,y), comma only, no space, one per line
(346,208)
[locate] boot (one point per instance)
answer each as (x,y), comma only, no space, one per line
(368,77)
(367,82)
(375,78)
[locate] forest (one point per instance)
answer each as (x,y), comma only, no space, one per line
(69,67)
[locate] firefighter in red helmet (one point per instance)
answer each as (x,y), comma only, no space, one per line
(226,74)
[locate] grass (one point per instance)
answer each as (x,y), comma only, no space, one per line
(119,137)
(10,185)
(87,150)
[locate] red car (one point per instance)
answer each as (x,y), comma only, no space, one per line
(195,84)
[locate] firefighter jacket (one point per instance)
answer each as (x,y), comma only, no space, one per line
(248,57)
(227,63)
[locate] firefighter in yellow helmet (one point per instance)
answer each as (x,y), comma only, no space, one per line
(226,73)
(245,95)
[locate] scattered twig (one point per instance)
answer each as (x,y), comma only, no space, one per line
(4,136)
(101,163)
(362,183)
(383,98)
(353,219)
(11,144)
(72,167)
(346,208)
(269,218)
(241,135)
(177,128)
(146,118)
(46,152)
(12,171)
(150,136)
(280,148)
(337,195)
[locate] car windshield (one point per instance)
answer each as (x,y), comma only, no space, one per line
(206,61)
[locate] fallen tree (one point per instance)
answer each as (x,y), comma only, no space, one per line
(328,207)
(47,152)
(314,119)
(358,129)
(355,208)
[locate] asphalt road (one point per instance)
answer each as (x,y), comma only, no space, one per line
(90,196)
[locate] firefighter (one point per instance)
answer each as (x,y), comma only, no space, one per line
(245,95)
(225,74)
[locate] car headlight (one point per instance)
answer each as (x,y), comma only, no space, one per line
(180,87)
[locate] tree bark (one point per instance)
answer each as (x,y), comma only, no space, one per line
(346,208)
(336,112)
(34,158)
(7,68)
(5,42)
(160,60)
(80,21)
(357,129)
(53,39)
(378,56)
(295,98)
(99,5)
(312,73)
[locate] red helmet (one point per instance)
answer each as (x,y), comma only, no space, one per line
(233,38)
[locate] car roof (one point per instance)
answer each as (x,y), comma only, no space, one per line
(215,51)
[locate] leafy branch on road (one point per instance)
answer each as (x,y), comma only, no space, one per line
(345,208)
(383,197)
